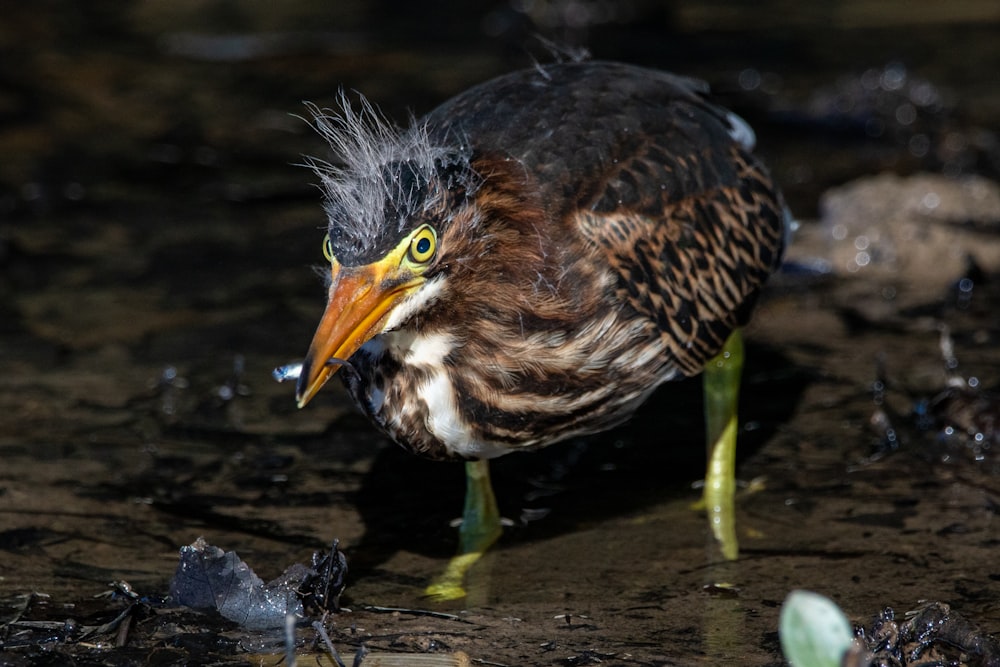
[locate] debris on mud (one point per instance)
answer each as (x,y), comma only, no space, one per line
(209,578)
(963,412)
(932,635)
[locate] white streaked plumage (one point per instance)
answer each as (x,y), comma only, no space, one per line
(421,299)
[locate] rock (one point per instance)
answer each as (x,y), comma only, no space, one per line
(918,232)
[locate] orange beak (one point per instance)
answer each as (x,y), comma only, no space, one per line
(359,304)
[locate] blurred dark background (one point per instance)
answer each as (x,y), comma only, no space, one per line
(125,102)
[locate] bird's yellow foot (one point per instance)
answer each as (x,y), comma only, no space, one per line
(481,527)
(718,495)
(450,584)
(722,389)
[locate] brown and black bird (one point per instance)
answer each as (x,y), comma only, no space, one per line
(529,261)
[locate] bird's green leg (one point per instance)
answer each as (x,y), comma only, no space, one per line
(722,390)
(480,529)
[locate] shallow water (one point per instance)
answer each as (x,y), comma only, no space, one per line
(155,255)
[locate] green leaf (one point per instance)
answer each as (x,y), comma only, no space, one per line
(813,630)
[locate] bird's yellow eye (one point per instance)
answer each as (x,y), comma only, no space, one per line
(328,248)
(423,244)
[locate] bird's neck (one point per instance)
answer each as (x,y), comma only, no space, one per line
(402,382)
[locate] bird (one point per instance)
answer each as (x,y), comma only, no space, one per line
(530,260)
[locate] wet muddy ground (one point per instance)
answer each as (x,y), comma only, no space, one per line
(155,255)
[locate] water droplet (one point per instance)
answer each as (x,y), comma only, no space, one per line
(870,79)
(923,94)
(893,76)
(749,79)
(919,145)
(906,114)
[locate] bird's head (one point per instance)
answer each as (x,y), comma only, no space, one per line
(393,203)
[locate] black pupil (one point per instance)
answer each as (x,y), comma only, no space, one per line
(423,245)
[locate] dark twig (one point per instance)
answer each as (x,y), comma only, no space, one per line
(331,649)
(290,658)
(110,626)
(360,656)
(416,612)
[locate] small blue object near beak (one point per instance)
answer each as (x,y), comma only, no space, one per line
(293,371)
(287,372)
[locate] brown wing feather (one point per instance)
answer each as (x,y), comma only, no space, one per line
(693,264)
(648,169)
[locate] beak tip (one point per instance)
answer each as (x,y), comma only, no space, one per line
(302,398)
(302,393)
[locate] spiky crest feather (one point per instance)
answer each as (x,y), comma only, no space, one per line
(385,179)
